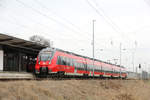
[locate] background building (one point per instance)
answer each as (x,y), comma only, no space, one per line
(16,54)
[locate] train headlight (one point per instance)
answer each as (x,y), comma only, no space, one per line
(39,62)
(50,62)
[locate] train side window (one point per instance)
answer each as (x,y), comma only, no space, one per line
(101,68)
(94,67)
(71,62)
(64,61)
(88,67)
(68,61)
(83,67)
(75,64)
(58,60)
(61,60)
(97,68)
(80,65)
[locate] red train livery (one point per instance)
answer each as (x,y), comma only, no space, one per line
(52,60)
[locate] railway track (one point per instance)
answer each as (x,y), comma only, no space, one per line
(9,76)
(65,77)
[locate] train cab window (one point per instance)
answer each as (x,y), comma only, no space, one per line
(45,55)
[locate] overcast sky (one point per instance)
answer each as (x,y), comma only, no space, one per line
(68,23)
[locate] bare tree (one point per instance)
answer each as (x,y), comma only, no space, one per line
(40,40)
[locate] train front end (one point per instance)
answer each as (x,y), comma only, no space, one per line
(44,62)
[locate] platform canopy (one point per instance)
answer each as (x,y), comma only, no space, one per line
(20,43)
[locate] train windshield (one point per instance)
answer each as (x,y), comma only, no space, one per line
(45,56)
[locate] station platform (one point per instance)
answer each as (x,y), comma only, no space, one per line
(15,75)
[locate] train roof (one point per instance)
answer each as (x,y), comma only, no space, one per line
(52,49)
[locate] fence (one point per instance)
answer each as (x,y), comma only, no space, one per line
(144,75)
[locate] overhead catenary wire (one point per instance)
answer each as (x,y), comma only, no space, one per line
(83,39)
(48,17)
(100,14)
(23,26)
(63,18)
(99,10)
(15,21)
(18,23)
(106,16)
(45,15)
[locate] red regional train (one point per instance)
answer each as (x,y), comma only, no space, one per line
(56,61)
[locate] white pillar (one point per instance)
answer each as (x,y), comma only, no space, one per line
(1,60)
